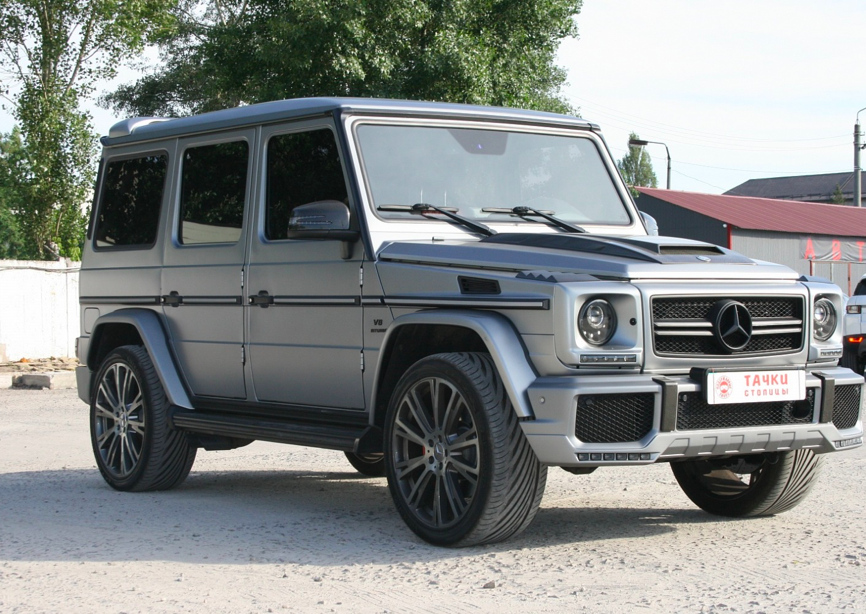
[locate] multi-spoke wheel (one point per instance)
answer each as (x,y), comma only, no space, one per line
(372,465)
(760,485)
(459,468)
(134,446)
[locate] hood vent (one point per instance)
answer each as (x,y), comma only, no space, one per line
(690,250)
(476,285)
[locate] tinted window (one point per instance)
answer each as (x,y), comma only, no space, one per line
(131,201)
(861,288)
(303,168)
(213,189)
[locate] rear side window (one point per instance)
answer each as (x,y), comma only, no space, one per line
(213,191)
(131,202)
(303,168)
(861,288)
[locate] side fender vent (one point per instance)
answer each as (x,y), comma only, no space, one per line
(475,285)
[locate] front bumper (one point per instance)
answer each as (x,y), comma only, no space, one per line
(554,400)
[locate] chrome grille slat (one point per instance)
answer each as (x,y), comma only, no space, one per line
(682,326)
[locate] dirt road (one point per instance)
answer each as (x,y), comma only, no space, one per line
(271,528)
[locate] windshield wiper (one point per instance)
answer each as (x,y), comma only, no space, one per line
(423,208)
(529,211)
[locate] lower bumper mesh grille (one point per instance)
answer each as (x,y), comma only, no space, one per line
(614,418)
(846,406)
(694,413)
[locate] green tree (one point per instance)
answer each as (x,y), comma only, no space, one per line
(838,197)
(11,195)
(55,50)
(636,168)
(222,53)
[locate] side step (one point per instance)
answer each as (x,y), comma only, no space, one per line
(348,438)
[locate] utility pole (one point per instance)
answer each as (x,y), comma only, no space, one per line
(857,147)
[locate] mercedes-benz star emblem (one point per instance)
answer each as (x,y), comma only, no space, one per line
(732,325)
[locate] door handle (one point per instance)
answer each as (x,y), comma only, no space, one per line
(172,300)
(262,299)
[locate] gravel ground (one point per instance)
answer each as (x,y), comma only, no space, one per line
(271,528)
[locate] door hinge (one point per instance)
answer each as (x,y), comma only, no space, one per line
(361,277)
(242,278)
(243,355)
(362,362)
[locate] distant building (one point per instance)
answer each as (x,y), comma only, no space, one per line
(788,232)
(805,188)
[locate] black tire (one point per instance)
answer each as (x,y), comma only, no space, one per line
(850,360)
(770,483)
(463,474)
(133,443)
(371,465)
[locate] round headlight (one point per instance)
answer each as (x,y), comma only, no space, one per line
(597,322)
(824,319)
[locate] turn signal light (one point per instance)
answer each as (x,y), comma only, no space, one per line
(855,339)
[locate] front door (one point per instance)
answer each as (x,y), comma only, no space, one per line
(305,335)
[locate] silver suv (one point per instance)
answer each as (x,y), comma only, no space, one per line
(456,297)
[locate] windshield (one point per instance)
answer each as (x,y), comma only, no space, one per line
(472,169)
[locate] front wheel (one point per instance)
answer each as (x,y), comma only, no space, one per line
(760,485)
(460,469)
(133,443)
(851,360)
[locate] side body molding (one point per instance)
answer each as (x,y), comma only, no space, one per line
(498,335)
(152,333)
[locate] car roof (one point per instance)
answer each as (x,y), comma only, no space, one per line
(141,129)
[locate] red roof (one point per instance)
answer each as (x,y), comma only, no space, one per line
(769,213)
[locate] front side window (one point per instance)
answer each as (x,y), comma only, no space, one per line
(131,202)
(302,168)
(213,193)
(474,170)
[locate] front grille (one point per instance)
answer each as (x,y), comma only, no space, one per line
(695,414)
(683,327)
(614,418)
(846,406)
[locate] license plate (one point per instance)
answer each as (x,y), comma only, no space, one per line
(755,386)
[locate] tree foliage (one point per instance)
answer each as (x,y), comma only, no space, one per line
(838,197)
(11,244)
(636,168)
(223,53)
(55,50)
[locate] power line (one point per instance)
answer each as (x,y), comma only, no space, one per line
(698,133)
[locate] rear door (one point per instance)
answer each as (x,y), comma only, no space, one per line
(202,275)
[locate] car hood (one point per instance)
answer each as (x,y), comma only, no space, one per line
(627,258)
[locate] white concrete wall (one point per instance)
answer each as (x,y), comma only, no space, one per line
(38,309)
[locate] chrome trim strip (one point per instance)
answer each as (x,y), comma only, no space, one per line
(210,300)
(119,300)
(341,301)
(492,303)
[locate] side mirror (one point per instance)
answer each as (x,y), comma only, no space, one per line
(652,227)
(324,219)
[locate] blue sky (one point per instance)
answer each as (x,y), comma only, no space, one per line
(737,89)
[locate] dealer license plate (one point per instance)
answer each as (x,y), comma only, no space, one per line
(755,386)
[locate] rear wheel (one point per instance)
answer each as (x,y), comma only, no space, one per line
(134,445)
(372,465)
(760,485)
(460,469)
